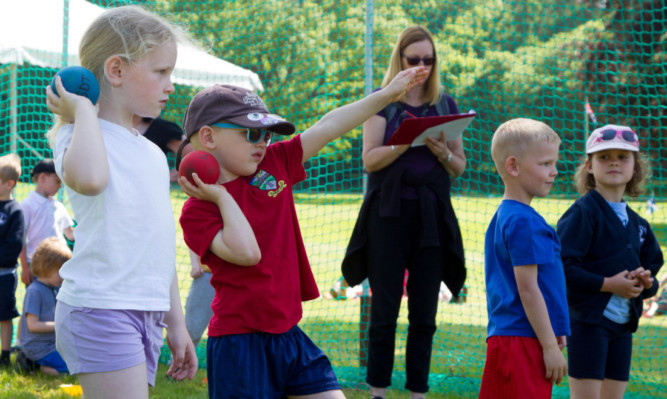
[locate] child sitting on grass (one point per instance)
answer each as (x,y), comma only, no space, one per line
(38,335)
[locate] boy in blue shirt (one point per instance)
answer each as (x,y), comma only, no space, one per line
(525,283)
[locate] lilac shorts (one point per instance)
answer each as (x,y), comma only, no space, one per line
(102,340)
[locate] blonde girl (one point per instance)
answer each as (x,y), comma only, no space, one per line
(120,287)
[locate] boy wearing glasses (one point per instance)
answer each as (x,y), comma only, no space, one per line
(246,231)
(525,283)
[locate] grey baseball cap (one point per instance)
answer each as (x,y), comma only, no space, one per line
(234,105)
(231,104)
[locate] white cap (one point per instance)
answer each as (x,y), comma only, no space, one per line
(612,137)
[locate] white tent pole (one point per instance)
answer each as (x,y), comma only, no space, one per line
(63,59)
(12,106)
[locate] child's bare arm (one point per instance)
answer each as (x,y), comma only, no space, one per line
(538,316)
(236,242)
(195,270)
(85,166)
(184,364)
(37,326)
(26,275)
(343,119)
(69,233)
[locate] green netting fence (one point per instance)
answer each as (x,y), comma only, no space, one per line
(543,59)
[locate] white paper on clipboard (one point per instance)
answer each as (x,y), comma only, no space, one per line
(453,129)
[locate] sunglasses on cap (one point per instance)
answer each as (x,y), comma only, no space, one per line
(611,134)
(413,61)
(253,135)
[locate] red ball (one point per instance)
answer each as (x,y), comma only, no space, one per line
(202,163)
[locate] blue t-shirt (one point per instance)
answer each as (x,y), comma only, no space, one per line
(40,300)
(519,236)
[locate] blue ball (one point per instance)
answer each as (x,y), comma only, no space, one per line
(78,80)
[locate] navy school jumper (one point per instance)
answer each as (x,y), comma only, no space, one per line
(595,245)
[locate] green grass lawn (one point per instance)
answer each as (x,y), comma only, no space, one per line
(459,346)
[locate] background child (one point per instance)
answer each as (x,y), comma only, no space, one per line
(11,242)
(246,230)
(525,285)
(44,215)
(198,310)
(657,305)
(165,134)
(38,335)
(610,256)
(120,287)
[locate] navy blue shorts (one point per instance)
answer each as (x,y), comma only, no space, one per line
(262,365)
(8,309)
(599,351)
(53,360)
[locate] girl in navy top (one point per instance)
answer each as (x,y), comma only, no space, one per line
(610,257)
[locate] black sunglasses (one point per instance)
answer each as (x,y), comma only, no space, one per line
(413,61)
(253,135)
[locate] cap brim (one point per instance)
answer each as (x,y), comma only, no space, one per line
(612,145)
(268,122)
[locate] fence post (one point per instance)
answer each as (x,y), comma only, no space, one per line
(365,300)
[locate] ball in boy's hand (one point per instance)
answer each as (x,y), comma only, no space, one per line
(202,163)
(78,80)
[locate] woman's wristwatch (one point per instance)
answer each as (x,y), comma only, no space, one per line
(449,157)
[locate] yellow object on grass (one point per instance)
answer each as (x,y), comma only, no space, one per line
(74,390)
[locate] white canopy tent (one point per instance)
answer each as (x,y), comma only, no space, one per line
(34,32)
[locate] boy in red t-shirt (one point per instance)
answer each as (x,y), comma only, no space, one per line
(245,229)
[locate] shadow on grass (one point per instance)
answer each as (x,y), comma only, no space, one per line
(459,353)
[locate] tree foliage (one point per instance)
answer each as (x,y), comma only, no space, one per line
(505,59)
(531,58)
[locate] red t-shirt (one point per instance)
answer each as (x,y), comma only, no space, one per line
(265,297)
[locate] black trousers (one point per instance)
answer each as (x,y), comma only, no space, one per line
(393,247)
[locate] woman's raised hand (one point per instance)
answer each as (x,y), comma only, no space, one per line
(406,80)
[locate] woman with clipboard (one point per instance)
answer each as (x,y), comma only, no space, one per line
(406,221)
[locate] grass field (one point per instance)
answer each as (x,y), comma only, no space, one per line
(459,346)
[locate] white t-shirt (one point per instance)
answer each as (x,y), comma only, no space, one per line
(125,251)
(44,218)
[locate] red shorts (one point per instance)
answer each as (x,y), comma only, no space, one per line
(514,369)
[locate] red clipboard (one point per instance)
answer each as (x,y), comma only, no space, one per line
(414,131)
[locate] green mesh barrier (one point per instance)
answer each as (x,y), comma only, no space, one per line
(543,59)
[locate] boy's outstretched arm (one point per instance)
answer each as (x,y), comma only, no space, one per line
(538,316)
(236,242)
(343,119)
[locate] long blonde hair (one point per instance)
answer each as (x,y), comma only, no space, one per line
(414,34)
(129,32)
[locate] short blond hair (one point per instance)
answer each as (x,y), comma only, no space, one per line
(10,168)
(516,136)
(50,255)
